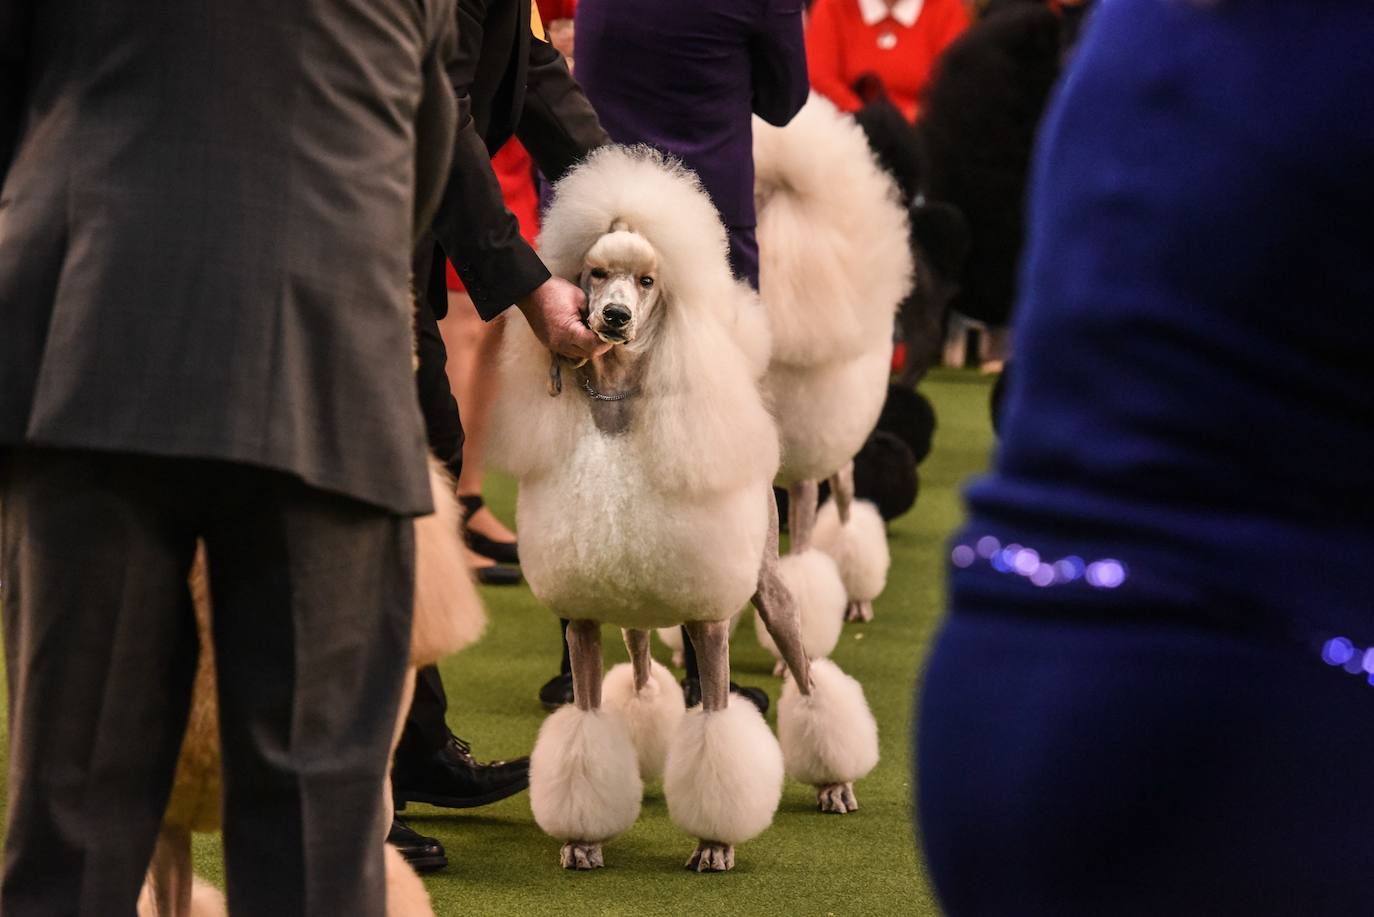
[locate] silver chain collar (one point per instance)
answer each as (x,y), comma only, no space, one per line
(598,396)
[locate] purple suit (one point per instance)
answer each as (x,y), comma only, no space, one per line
(686,77)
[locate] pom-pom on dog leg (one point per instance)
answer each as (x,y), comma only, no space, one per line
(649,699)
(723,778)
(852,532)
(828,735)
(584,773)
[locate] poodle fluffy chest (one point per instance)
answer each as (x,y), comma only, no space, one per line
(603,539)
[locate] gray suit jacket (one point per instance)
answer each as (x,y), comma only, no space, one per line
(206,216)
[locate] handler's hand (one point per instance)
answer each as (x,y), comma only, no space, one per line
(554,311)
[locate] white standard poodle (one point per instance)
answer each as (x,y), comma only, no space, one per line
(645,501)
(835,266)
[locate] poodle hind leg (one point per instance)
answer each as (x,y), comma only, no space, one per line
(649,700)
(801,514)
(637,642)
(777,607)
(842,486)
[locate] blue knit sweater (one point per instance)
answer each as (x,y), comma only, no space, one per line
(1190,430)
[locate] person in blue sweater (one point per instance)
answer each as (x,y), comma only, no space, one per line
(1154,691)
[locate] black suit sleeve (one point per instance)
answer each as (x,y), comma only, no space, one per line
(15,17)
(777,62)
(479,235)
(557,125)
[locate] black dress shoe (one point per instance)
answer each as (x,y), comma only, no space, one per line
(452,778)
(503,552)
(424,854)
(497,575)
(691,694)
(557,691)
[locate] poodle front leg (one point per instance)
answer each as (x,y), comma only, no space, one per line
(723,777)
(712,642)
(584,651)
(584,774)
(801,514)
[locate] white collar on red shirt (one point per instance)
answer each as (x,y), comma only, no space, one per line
(904,11)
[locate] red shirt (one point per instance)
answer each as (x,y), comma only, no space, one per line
(841,47)
(515,171)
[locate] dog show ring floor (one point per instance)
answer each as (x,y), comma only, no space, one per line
(863,863)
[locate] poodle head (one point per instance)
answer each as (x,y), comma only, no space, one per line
(620,278)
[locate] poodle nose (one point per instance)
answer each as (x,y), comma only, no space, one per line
(616,316)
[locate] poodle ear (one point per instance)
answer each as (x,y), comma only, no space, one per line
(942,232)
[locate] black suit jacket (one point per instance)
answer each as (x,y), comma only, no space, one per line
(507,82)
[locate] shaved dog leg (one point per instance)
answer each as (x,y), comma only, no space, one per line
(584,647)
(712,642)
(842,486)
(778,608)
(637,642)
(801,514)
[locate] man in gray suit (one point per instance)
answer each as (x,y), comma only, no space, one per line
(205,333)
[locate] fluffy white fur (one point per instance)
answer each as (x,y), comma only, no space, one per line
(826,411)
(405,893)
(833,237)
(858,547)
(835,265)
(667,520)
(672,638)
(723,780)
(206,901)
(814,582)
(448,613)
(751,330)
(584,776)
(651,714)
(829,736)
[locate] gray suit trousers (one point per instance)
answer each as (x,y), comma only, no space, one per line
(312,595)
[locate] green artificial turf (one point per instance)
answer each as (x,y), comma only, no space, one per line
(500,863)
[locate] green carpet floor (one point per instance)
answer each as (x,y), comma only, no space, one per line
(807,863)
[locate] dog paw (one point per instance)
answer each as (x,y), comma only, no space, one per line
(837,798)
(859,611)
(711,856)
(581,855)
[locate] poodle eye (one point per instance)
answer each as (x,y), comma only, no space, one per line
(599,273)
(646,282)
